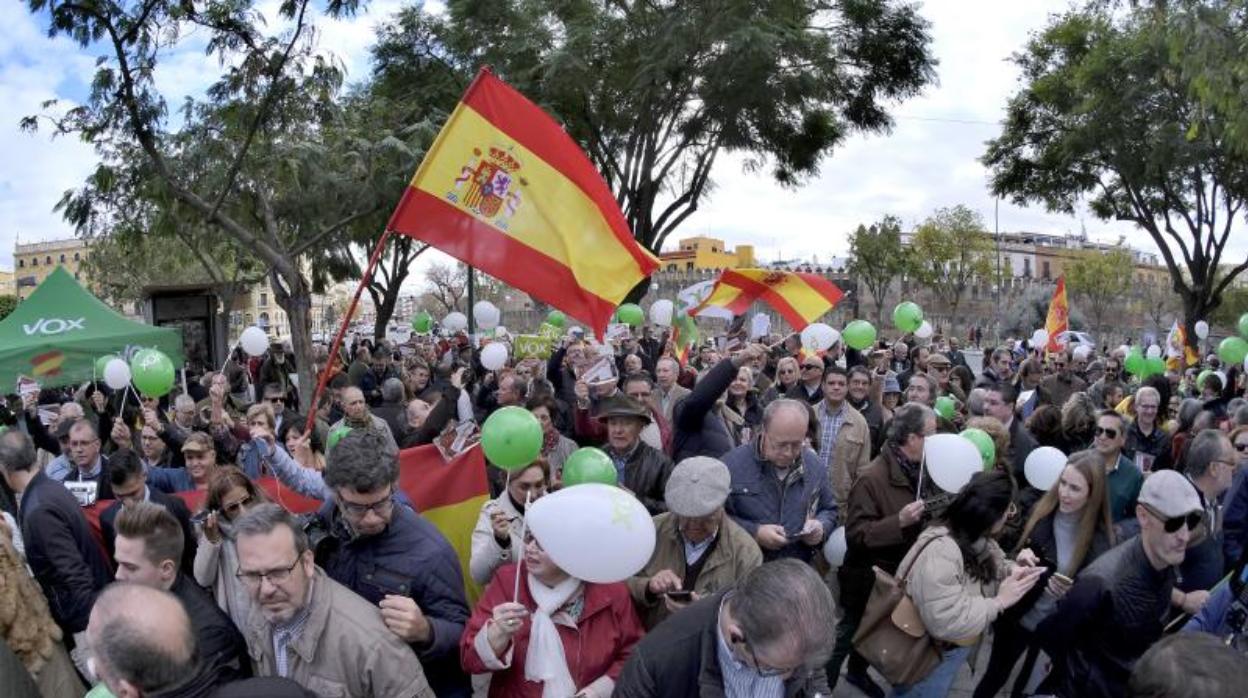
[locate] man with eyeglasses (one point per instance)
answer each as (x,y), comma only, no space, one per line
(730,644)
(1057,388)
(781,491)
(1209,463)
(939,367)
(384,551)
(1121,476)
(1147,443)
(86,462)
(1116,608)
(311,629)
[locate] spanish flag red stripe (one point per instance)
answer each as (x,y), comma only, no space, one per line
(799,297)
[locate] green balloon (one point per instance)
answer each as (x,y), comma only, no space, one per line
(1243,325)
(422,322)
(859,334)
(100,363)
(945,407)
(983,442)
(1200,378)
(1232,350)
(589,464)
(1135,362)
(907,316)
(335,435)
(1155,367)
(511,438)
(556,319)
(152,372)
(630,314)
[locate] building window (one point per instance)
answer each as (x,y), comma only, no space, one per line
(62,259)
(77,257)
(264,300)
(1045,273)
(21,264)
(688,266)
(1027,268)
(48,260)
(264,321)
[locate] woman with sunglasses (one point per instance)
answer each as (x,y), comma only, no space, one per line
(230,495)
(1068,529)
(960,581)
(565,636)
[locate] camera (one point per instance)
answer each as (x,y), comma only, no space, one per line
(321,538)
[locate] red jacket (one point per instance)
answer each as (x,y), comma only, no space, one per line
(602,641)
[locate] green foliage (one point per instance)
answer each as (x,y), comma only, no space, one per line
(1114,111)
(1101,280)
(655,92)
(950,250)
(877,258)
(7,304)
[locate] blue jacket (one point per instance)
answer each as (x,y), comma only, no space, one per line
(1212,616)
(1235,519)
(410,558)
(757,497)
(61,552)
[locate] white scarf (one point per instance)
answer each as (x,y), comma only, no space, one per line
(545,661)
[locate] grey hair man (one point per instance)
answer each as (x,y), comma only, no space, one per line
(308,628)
(357,416)
(1209,463)
(768,635)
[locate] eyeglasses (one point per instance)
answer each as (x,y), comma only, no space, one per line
(811,367)
(1172,525)
(277,576)
(761,669)
(276,400)
(233,508)
(786,370)
(382,507)
(1241,447)
(941,369)
(1107,433)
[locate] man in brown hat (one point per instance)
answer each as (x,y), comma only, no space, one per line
(641,468)
(939,368)
(699,551)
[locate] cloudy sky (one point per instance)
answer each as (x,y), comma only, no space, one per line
(928,161)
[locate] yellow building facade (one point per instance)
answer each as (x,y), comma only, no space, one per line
(32,262)
(701,252)
(7,288)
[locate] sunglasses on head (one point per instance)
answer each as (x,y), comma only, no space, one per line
(1106,432)
(1172,525)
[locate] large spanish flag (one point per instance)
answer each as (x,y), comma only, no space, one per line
(506,190)
(799,297)
(1059,311)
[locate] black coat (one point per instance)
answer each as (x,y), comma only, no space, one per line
(696,429)
(175,505)
(680,658)
(1043,543)
(645,475)
(220,643)
(64,557)
(1022,443)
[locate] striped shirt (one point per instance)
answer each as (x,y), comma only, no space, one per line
(829,427)
(741,680)
(284,635)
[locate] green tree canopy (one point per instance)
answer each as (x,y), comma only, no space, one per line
(877,258)
(950,251)
(1101,281)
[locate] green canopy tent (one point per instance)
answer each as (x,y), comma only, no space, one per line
(56,335)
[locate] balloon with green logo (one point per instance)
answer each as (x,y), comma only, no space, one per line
(511,438)
(983,443)
(907,316)
(630,314)
(422,322)
(1155,366)
(589,464)
(1135,362)
(1232,350)
(556,319)
(859,334)
(335,435)
(152,372)
(945,407)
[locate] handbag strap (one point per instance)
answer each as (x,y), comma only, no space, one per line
(901,581)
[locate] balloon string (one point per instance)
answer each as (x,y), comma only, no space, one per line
(524,523)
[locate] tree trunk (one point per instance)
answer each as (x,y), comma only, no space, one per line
(295,298)
(385,304)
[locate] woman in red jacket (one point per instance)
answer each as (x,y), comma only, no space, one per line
(566,637)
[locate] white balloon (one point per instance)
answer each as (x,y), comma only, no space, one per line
(835,547)
(1043,467)
(117,374)
(500,331)
(455,322)
(1202,329)
(661,312)
(924,331)
(819,336)
(254,341)
(951,460)
(1082,352)
(594,532)
(1124,349)
(1154,352)
(494,356)
(1039,338)
(486,314)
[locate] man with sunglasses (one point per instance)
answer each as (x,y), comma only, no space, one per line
(1209,462)
(809,386)
(1057,388)
(1123,478)
(1116,608)
(384,551)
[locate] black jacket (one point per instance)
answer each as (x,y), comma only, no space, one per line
(1043,543)
(696,429)
(220,643)
(1107,620)
(1022,443)
(680,658)
(175,505)
(645,475)
(61,552)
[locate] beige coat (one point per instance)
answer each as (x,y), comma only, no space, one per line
(735,554)
(487,555)
(954,607)
(343,651)
(851,453)
(665,407)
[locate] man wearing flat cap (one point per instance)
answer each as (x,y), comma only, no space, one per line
(697,549)
(639,467)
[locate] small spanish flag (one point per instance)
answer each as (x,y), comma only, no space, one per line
(684,335)
(1059,311)
(503,188)
(799,297)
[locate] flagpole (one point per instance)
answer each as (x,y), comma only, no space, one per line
(472,294)
(342,329)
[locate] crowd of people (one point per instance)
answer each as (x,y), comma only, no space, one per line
(1127,577)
